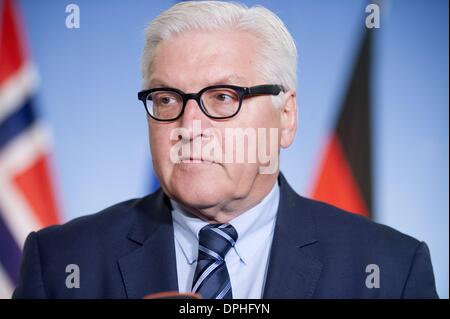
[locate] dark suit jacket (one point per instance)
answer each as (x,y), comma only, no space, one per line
(318,251)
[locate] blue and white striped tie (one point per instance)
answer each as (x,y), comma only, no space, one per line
(211,278)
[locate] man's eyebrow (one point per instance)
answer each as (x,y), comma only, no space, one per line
(229,79)
(153,83)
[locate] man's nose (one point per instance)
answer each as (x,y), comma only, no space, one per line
(192,112)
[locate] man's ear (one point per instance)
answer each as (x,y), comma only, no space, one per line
(288,119)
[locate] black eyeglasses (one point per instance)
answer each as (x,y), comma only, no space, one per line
(217,102)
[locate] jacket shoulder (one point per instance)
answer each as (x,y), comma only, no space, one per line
(335,226)
(92,243)
(351,244)
(108,220)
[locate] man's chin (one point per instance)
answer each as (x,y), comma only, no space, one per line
(198,200)
(199,189)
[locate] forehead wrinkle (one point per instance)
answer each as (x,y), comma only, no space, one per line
(233,79)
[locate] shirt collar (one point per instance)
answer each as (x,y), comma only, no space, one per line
(186,227)
(252,226)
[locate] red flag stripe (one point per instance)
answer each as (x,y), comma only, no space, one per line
(336,183)
(35,185)
(12,52)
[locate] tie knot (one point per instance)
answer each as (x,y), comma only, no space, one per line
(215,240)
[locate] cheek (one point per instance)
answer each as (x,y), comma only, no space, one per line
(160,142)
(263,114)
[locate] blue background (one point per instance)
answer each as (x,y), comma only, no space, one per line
(90,77)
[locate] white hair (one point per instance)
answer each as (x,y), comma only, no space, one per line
(278,54)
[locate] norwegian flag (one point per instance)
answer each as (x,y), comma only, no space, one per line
(27,201)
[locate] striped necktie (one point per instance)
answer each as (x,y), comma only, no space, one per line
(211,278)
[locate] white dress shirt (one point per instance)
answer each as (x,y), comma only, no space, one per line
(246,262)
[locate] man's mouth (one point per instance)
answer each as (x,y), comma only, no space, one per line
(197,160)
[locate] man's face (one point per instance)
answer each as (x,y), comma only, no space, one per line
(190,62)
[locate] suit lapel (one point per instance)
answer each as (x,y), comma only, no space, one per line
(294,267)
(151,266)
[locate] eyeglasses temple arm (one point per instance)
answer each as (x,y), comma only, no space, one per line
(266,89)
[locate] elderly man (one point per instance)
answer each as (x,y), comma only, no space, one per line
(219,92)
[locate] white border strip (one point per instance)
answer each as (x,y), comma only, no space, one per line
(17,89)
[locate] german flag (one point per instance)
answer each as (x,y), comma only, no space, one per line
(344,178)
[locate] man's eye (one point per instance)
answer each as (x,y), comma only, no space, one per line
(166,100)
(222,97)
